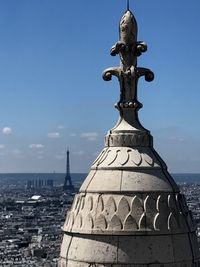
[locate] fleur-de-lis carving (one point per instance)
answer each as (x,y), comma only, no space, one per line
(128,49)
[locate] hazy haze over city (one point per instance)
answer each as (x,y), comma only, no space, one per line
(52,96)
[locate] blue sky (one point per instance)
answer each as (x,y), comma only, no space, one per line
(52,54)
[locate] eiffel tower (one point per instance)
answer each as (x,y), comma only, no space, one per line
(68,186)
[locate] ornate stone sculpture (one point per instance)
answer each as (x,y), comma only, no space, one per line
(128,73)
(129,211)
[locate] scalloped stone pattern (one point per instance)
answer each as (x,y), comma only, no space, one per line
(116,214)
(126,157)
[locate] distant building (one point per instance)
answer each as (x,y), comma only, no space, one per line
(49,183)
(38,183)
(68,186)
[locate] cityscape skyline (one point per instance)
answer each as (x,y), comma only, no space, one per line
(32,215)
(52,95)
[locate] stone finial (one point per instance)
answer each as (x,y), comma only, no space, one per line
(128,73)
(129,211)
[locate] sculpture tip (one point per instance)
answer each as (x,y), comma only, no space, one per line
(128,5)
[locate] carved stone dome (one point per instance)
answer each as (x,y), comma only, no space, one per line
(129,211)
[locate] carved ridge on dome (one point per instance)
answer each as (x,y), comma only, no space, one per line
(134,214)
(130,140)
(115,157)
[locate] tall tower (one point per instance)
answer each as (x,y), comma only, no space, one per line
(129,211)
(68,186)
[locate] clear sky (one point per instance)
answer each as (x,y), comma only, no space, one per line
(52,96)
